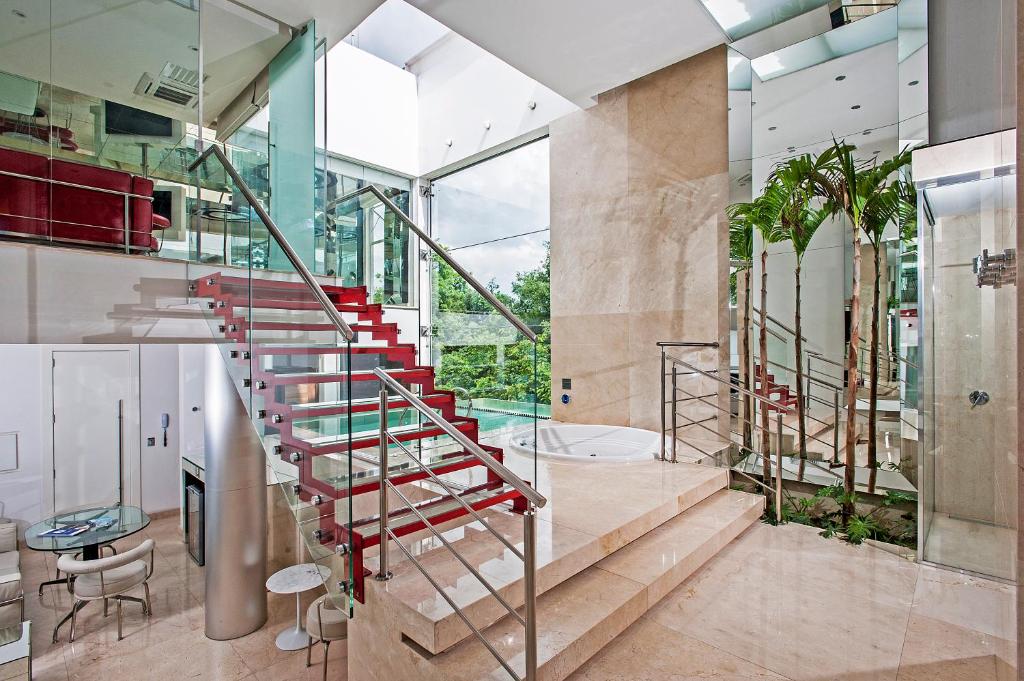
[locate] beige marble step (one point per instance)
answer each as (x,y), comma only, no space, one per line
(578,528)
(580,616)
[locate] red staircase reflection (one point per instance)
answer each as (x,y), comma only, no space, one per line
(777,392)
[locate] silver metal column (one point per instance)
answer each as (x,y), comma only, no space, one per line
(530,590)
(236,509)
(675,392)
(778,467)
(662,405)
(384,574)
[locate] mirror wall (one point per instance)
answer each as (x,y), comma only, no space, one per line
(804,77)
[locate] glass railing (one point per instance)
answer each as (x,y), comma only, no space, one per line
(310,389)
(292,365)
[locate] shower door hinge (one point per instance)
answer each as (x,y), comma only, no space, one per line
(997,270)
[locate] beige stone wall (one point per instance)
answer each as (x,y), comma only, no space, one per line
(639,238)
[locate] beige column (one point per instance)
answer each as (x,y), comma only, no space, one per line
(639,239)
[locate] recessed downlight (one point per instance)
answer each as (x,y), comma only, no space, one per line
(876,152)
(773,128)
(840,77)
(855,107)
(913,83)
(867,132)
(18,13)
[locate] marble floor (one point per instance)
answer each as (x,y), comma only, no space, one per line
(783,603)
(778,603)
(169,646)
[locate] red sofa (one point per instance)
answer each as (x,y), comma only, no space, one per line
(62,201)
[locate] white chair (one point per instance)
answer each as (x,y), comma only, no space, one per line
(109,578)
(324,623)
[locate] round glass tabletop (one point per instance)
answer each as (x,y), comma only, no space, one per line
(85,530)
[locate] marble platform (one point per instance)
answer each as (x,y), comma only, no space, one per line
(593,510)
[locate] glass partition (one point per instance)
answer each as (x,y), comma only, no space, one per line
(493,218)
(969,389)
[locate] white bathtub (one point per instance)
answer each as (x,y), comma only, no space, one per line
(571,442)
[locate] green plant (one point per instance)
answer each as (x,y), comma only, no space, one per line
(800,215)
(825,511)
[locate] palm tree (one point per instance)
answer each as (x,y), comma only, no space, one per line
(894,204)
(767,210)
(798,179)
(850,186)
(741,253)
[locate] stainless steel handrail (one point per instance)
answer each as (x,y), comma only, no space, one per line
(493,464)
(282,242)
(732,386)
(813,379)
(437,248)
(686,344)
(773,320)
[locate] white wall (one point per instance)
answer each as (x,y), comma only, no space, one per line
(371,110)
(460,87)
(25,408)
(158,394)
(21,412)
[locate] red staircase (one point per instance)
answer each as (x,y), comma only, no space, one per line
(777,392)
(287,372)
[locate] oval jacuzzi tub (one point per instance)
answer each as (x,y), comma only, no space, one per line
(571,442)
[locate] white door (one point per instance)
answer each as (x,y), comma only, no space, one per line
(91,391)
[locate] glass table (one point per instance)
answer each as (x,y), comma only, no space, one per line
(127,520)
(118,522)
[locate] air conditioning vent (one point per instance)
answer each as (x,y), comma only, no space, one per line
(172,95)
(176,84)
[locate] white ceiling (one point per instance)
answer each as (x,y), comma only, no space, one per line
(101,48)
(581,48)
(335,19)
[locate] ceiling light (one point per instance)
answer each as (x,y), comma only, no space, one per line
(913,83)
(867,132)
(877,152)
(840,77)
(772,128)
(18,13)
(855,107)
(531,105)
(790,148)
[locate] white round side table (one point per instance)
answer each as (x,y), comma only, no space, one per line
(295,579)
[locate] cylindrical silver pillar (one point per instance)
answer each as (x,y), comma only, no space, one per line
(236,509)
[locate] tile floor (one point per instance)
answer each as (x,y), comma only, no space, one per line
(778,603)
(171,645)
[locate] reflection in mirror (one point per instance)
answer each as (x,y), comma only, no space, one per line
(817,77)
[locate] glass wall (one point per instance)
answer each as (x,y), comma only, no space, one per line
(494,219)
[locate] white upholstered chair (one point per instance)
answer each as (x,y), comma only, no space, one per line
(110,578)
(324,623)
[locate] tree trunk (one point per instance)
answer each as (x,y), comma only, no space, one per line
(873,368)
(849,477)
(801,402)
(748,403)
(762,349)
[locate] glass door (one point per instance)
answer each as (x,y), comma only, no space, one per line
(969,378)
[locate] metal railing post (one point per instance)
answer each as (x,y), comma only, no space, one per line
(675,379)
(778,468)
(384,573)
(835,427)
(663,401)
(529,578)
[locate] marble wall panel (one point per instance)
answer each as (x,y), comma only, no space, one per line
(639,239)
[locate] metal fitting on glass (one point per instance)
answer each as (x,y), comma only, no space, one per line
(211,281)
(221,328)
(316,499)
(342,550)
(247,382)
(260,385)
(209,305)
(295,457)
(321,535)
(221,303)
(296,488)
(233,354)
(245,354)
(261,413)
(277,418)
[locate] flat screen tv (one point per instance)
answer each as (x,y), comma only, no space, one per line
(127,124)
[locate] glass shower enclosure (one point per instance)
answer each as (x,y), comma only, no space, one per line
(968,382)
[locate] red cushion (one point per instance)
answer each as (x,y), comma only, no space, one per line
(81,214)
(142,212)
(24,203)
